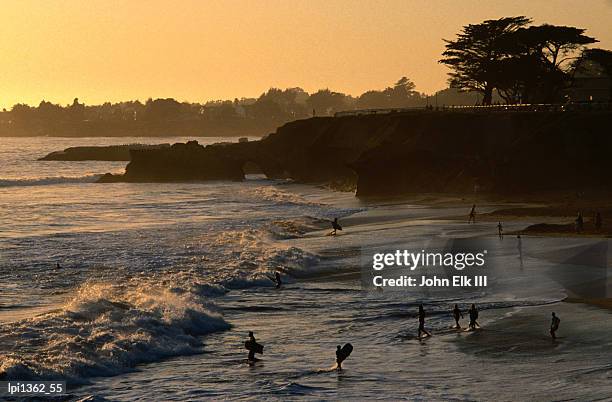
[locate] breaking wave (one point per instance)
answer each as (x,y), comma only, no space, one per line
(91,178)
(107,329)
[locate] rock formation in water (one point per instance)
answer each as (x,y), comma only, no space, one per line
(99,153)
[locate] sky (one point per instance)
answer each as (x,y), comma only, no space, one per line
(199,50)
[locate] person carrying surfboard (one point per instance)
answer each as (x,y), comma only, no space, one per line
(422,322)
(456,315)
(473,317)
(342,353)
(554,325)
(336,226)
(253,347)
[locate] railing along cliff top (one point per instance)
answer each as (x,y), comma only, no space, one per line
(524,107)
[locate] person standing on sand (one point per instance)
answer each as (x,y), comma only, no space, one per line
(422,329)
(579,223)
(473,317)
(500,230)
(519,246)
(554,325)
(456,315)
(472,217)
(598,222)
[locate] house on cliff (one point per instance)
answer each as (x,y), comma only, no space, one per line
(591,83)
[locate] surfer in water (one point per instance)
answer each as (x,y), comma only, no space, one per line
(339,357)
(251,357)
(472,217)
(456,315)
(336,226)
(422,329)
(554,325)
(473,317)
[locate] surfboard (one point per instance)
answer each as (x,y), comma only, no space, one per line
(345,352)
(256,347)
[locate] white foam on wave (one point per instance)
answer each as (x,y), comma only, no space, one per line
(44,181)
(248,257)
(106,329)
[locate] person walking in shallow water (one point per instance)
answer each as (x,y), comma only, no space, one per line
(554,325)
(251,356)
(500,230)
(456,315)
(473,317)
(422,329)
(336,226)
(472,217)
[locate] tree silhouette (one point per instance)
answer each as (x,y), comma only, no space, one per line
(476,54)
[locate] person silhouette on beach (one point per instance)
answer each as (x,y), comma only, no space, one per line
(422,329)
(579,223)
(519,246)
(500,230)
(473,317)
(456,315)
(554,325)
(472,217)
(277,278)
(336,226)
(598,222)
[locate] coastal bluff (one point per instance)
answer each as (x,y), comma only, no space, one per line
(403,153)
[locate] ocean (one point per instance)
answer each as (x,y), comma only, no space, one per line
(158,285)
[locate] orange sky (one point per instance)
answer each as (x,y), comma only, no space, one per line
(196,50)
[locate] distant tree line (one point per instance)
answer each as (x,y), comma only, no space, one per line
(522,62)
(246,116)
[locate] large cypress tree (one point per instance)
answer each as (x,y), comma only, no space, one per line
(476,55)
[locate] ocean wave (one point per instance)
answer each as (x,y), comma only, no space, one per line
(107,329)
(249,257)
(44,181)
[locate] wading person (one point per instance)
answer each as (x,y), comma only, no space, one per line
(277,280)
(422,329)
(473,317)
(336,226)
(500,230)
(456,315)
(472,217)
(554,325)
(251,347)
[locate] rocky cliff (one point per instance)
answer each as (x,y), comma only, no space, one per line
(421,151)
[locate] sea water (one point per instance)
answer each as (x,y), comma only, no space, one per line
(159,284)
